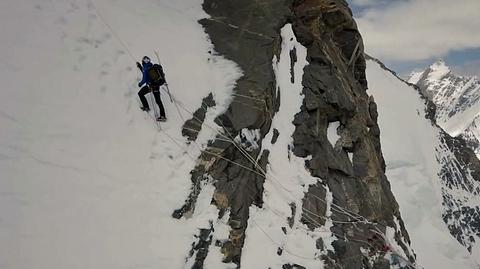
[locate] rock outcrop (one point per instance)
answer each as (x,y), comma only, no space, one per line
(334,88)
(350,170)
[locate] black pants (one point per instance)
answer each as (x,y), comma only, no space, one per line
(155,89)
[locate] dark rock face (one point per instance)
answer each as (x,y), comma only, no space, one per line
(334,88)
(200,248)
(192,127)
(248,33)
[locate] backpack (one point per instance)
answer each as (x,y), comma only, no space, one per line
(156,75)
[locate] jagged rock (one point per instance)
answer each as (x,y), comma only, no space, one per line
(337,78)
(252,46)
(334,90)
(381,264)
(275,136)
(200,249)
(192,127)
(292,266)
(313,207)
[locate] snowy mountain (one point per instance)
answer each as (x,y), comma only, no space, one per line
(271,156)
(434,176)
(457,99)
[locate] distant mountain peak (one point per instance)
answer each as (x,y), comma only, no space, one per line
(438,70)
(439,61)
(457,98)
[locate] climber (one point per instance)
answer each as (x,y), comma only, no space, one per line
(153,77)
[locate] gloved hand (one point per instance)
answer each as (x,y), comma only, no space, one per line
(139,65)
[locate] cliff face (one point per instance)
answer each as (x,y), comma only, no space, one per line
(334,89)
(312,169)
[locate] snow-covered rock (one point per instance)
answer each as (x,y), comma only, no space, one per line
(457,100)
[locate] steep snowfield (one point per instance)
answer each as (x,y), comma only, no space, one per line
(411,147)
(86,179)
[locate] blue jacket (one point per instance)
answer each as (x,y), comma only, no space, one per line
(145,68)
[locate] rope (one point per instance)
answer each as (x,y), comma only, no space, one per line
(267,206)
(178,144)
(249,97)
(240,29)
(231,140)
(279,245)
(357,218)
(110,28)
(262,172)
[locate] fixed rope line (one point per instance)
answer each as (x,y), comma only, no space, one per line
(112,31)
(230,137)
(335,207)
(263,174)
(249,169)
(267,206)
(359,219)
(178,144)
(280,245)
(241,29)
(248,97)
(124,45)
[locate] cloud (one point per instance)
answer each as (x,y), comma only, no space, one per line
(418,30)
(364,2)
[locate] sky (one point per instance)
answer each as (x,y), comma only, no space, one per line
(409,35)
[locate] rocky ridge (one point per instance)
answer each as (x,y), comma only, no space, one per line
(350,172)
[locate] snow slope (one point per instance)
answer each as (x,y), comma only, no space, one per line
(86,179)
(415,155)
